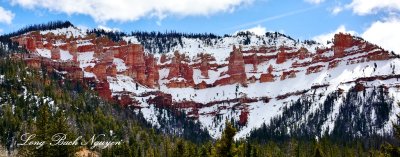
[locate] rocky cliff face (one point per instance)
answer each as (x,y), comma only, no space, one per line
(341,42)
(136,63)
(211,83)
(205,65)
(90,58)
(268,77)
(236,70)
(180,73)
(151,71)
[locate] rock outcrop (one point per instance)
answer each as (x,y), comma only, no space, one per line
(236,70)
(253,60)
(136,63)
(281,57)
(268,77)
(100,70)
(73,50)
(103,88)
(180,72)
(341,42)
(288,74)
(163,58)
(55,53)
(152,75)
(303,53)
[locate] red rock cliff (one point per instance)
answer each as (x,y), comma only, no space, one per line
(136,63)
(152,74)
(180,72)
(341,42)
(236,69)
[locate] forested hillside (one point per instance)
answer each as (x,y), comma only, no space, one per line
(37,103)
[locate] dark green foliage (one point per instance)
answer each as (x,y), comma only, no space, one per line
(29,105)
(388,149)
(353,121)
(318,153)
(41,27)
(157,42)
(113,35)
(350,121)
(225,147)
(7,46)
(179,125)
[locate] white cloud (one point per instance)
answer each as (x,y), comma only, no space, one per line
(108,29)
(364,7)
(257,30)
(336,10)
(130,10)
(314,1)
(6,16)
(323,38)
(385,33)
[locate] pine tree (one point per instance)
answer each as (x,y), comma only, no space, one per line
(43,130)
(248,149)
(9,125)
(318,152)
(60,126)
(225,146)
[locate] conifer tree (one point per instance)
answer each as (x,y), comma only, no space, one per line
(318,152)
(43,130)
(225,146)
(60,126)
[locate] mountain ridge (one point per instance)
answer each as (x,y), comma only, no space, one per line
(221,78)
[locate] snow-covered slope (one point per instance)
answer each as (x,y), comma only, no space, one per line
(220,47)
(310,80)
(68,32)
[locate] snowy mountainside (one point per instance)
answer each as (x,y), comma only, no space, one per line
(218,46)
(248,79)
(68,32)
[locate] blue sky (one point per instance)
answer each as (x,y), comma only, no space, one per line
(375,20)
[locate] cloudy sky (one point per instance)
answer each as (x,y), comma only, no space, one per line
(377,21)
